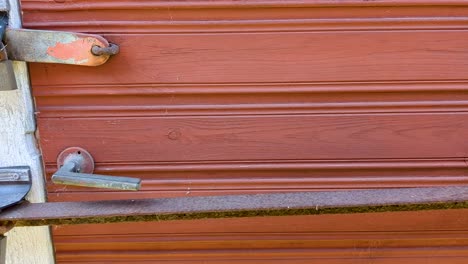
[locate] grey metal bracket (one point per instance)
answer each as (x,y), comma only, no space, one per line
(15,183)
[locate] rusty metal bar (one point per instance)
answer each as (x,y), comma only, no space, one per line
(279,204)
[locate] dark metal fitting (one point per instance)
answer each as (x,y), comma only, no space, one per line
(112,49)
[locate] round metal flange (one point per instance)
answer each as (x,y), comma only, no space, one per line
(87,166)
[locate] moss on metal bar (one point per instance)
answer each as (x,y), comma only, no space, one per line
(238,214)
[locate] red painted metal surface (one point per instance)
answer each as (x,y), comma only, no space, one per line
(221,97)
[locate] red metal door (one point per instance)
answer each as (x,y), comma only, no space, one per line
(217,97)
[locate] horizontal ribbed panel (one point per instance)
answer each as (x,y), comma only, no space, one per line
(221,97)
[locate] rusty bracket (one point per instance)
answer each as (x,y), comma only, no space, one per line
(58,47)
(276,204)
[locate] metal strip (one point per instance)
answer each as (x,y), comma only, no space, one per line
(279,204)
(54,47)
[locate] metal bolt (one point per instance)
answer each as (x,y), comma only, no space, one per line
(111,50)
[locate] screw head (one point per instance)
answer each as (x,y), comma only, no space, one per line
(15,176)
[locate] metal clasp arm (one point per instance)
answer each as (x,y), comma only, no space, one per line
(69,174)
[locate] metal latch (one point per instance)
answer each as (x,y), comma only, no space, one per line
(48,47)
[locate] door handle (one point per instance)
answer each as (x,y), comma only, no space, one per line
(76,166)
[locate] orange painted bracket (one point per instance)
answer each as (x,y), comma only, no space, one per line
(57,47)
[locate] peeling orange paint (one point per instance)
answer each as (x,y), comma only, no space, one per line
(79,50)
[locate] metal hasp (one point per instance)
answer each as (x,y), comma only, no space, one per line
(47,47)
(76,166)
(279,204)
(58,47)
(15,183)
(7,75)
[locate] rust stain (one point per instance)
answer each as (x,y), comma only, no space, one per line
(78,50)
